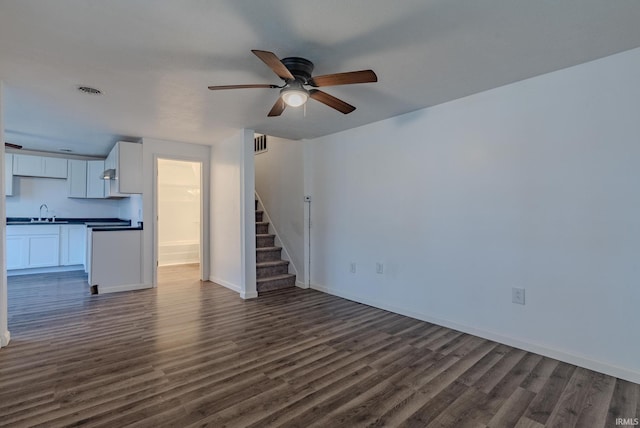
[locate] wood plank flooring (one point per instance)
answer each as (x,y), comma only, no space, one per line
(192,353)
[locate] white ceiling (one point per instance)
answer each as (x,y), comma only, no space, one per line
(155,59)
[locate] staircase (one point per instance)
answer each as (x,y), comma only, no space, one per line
(272,273)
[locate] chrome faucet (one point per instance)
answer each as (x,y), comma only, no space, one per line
(43,206)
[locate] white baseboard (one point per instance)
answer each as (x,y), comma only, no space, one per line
(180,263)
(5,338)
(105,289)
(225,284)
(578,360)
(235,287)
(301,284)
(249,295)
(18,272)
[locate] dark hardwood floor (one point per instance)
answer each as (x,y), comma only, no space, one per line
(195,354)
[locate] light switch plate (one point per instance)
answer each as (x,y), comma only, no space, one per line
(517,295)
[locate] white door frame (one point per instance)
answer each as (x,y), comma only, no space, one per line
(203,262)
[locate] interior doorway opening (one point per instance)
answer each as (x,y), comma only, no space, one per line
(179,221)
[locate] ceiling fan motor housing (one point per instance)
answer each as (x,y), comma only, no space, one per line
(301,68)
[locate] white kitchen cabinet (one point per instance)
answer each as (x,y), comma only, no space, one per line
(96,184)
(77,178)
(55,167)
(8,174)
(126,160)
(86,179)
(39,166)
(17,252)
(28,165)
(33,246)
(72,244)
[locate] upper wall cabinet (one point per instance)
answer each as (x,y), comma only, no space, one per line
(124,166)
(39,166)
(96,184)
(77,178)
(86,179)
(8,174)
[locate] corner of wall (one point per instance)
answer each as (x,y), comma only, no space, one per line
(5,336)
(247,210)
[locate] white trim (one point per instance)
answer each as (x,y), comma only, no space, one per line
(5,338)
(234,287)
(249,295)
(301,284)
(203,248)
(231,286)
(247,216)
(178,252)
(105,289)
(4,305)
(285,254)
(29,271)
(578,360)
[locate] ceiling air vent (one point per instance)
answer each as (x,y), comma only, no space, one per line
(89,90)
(260,144)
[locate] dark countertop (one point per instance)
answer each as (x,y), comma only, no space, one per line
(115,228)
(21,221)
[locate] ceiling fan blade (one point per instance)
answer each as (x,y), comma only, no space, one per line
(274,64)
(277,108)
(331,101)
(362,76)
(12,146)
(259,85)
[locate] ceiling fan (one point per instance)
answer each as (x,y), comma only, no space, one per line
(296,73)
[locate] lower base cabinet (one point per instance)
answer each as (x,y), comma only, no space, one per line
(33,246)
(73,244)
(41,246)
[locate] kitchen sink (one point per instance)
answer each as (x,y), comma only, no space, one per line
(11,223)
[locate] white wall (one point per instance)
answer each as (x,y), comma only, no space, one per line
(131,209)
(4,328)
(179,212)
(233,214)
(531,185)
(31,192)
(280,184)
(151,150)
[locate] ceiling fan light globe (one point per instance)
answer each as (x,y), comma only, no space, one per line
(295,97)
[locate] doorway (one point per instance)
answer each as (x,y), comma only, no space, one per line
(179,221)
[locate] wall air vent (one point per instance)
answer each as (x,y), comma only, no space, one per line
(260,144)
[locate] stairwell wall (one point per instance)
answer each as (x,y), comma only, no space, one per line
(151,150)
(4,327)
(232,221)
(533,185)
(280,183)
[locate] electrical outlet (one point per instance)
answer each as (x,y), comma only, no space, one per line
(379,268)
(517,295)
(353,267)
